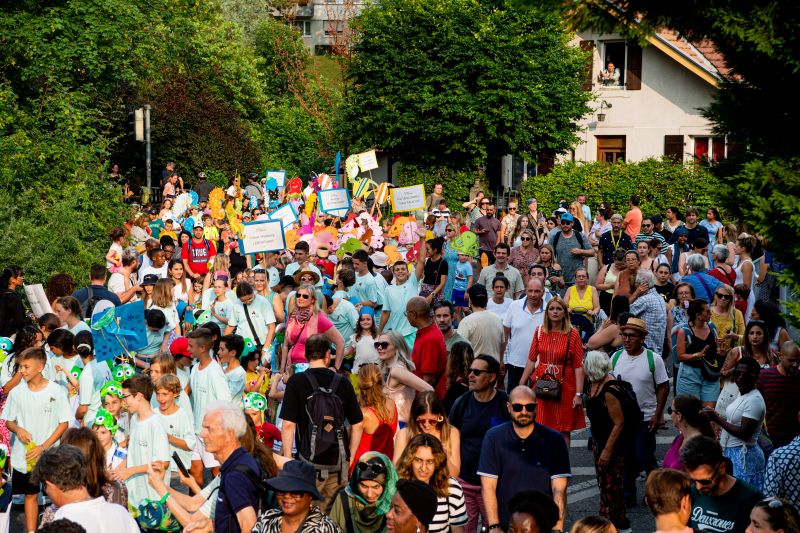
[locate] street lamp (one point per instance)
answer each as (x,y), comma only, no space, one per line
(601,117)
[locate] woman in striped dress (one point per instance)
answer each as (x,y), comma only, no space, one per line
(557,350)
(424,460)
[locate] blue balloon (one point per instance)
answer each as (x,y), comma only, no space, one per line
(271,184)
(195,198)
(188,224)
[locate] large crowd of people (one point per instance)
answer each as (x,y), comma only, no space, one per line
(404,373)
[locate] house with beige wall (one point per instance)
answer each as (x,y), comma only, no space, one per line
(652,107)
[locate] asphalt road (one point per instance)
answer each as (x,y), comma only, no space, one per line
(583,496)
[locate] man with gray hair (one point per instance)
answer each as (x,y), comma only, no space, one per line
(239,487)
(649,306)
(703,284)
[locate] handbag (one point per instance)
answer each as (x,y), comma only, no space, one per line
(548,386)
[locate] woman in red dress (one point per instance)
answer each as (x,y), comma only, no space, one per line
(557,350)
(380,414)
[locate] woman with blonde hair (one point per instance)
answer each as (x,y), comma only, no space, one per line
(380,414)
(163,300)
(555,276)
(424,459)
(576,210)
(728,320)
(556,354)
(525,254)
(514,237)
(428,416)
(400,384)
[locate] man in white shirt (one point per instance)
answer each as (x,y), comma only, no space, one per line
(520,323)
(645,371)
(261,324)
(501,266)
(482,329)
(62,470)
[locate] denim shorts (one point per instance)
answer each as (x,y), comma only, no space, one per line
(691,381)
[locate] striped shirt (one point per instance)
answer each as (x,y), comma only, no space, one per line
(782,401)
(452,509)
(643,237)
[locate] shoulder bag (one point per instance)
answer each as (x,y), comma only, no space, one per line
(548,386)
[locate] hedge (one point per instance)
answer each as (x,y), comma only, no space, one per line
(659,183)
(456,183)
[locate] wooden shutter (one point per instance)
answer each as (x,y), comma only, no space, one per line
(633,73)
(673,147)
(588,46)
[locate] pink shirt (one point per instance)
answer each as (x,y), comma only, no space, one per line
(298,335)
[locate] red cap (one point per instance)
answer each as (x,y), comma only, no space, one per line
(180,346)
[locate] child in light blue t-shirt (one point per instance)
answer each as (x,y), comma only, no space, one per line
(462,283)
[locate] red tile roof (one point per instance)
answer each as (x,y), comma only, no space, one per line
(703,53)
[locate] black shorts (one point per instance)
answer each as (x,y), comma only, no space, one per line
(21,483)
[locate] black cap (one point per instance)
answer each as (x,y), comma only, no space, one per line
(150,279)
(420,498)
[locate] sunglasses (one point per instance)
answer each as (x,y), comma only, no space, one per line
(707,482)
(646,225)
(477,371)
(670,410)
(526,239)
(429,421)
(304,296)
(484,203)
(722,295)
(512,208)
(566,222)
(381,345)
(294,495)
(518,407)
(376,468)
(449,229)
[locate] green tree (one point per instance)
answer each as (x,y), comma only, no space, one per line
(453,81)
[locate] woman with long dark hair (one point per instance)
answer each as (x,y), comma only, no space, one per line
(690,421)
(13,317)
(697,346)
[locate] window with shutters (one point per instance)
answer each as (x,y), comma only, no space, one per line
(588,47)
(673,147)
(612,75)
(610,148)
(710,149)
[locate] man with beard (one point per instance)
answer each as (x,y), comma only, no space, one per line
(521,455)
(486,228)
(443,316)
(720,502)
(613,240)
(475,413)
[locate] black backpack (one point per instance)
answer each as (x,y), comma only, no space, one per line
(624,393)
(87,307)
(326,422)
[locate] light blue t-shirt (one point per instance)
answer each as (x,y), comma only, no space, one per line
(345,318)
(365,288)
(395,300)
(463,272)
(154,339)
(236,380)
(92,379)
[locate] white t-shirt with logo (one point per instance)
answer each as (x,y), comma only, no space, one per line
(636,371)
(207,385)
(38,412)
(147,443)
(180,426)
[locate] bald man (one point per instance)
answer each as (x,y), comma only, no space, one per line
(429,353)
(522,455)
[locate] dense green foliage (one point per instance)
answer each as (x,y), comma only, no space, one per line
(69,73)
(451,82)
(456,183)
(659,183)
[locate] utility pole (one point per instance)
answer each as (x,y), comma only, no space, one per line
(148,154)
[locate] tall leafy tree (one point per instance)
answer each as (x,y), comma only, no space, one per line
(455,81)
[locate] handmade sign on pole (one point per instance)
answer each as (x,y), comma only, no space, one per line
(279,176)
(262,236)
(408,198)
(367,160)
(335,202)
(285,214)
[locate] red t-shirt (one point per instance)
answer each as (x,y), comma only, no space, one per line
(268,434)
(198,255)
(429,356)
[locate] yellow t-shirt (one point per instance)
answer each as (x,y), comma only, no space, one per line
(211,233)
